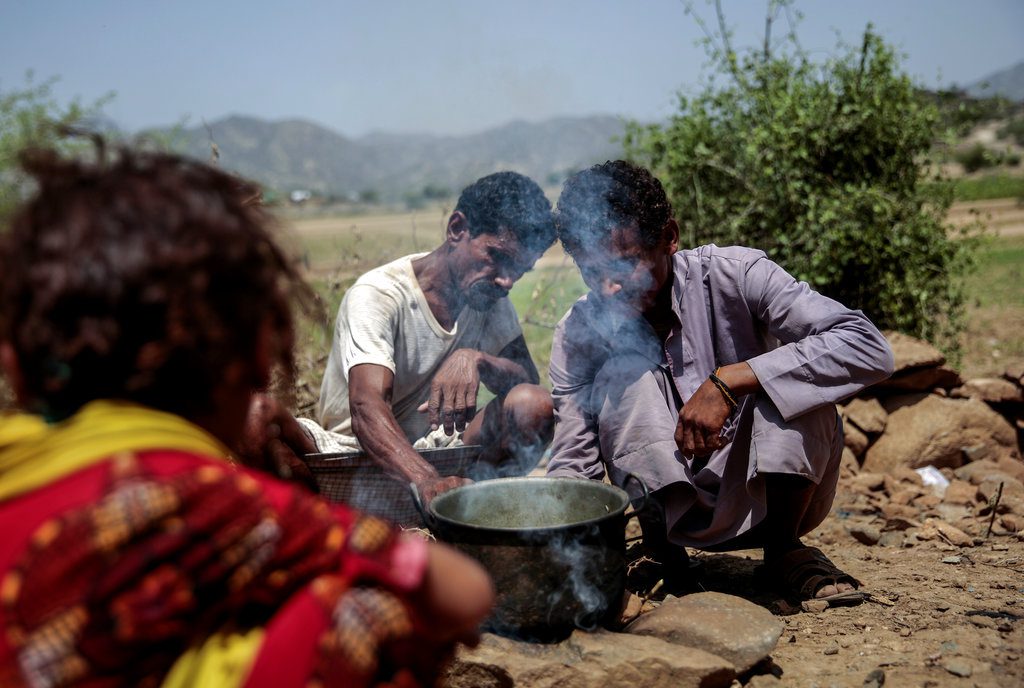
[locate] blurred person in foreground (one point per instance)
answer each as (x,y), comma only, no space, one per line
(712,374)
(415,339)
(143,303)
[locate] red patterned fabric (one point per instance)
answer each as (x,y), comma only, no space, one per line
(109,574)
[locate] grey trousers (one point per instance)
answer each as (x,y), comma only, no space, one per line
(709,501)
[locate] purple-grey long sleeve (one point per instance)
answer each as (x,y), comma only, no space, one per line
(733,305)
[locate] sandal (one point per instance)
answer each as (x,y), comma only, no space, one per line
(801,572)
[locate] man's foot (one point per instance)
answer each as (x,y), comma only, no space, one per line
(805,573)
(677,571)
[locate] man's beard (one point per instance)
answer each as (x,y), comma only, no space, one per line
(482,297)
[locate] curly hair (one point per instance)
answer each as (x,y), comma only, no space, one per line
(142,278)
(509,200)
(613,194)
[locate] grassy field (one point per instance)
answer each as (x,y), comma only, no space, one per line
(989,186)
(994,338)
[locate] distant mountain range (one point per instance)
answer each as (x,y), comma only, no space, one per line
(1008,83)
(298,154)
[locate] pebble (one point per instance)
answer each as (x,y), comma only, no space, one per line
(958,667)
(831,650)
(950,533)
(814,606)
(899,523)
(866,535)
(952,560)
(892,539)
(875,679)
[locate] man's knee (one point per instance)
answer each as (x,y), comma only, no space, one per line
(622,375)
(529,411)
(807,445)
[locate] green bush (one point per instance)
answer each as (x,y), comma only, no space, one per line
(1014,129)
(975,158)
(31,116)
(960,113)
(824,166)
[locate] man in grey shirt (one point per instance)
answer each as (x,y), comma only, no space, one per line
(712,374)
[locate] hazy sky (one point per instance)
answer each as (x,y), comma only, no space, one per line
(445,66)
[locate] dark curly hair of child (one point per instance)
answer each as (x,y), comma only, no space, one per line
(613,194)
(141,276)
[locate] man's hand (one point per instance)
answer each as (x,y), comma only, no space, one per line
(452,402)
(430,488)
(274,442)
(701,420)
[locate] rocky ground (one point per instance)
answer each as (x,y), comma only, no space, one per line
(947,602)
(946,608)
(928,515)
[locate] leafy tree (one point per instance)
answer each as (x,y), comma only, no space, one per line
(31,116)
(960,113)
(975,158)
(1013,129)
(825,167)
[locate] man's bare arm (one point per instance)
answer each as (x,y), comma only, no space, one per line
(374,425)
(453,391)
(512,366)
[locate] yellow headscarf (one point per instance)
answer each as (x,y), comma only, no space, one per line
(33,453)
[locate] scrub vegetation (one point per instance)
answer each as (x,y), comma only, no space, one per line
(825,166)
(31,115)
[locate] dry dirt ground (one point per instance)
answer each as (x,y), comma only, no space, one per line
(932,622)
(1004,216)
(946,606)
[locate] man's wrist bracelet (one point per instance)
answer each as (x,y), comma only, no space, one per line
(730,398)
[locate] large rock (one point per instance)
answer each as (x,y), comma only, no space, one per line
(992,390)
(728,626)
(921,380)
(1002,486)
(926,429)
(866,414)
(911,353)
(855,440)
(1015,374)
(609,660)
(849,465)
(979,471)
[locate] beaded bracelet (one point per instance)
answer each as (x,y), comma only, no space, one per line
(723,388)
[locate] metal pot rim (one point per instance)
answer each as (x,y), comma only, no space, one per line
(485,484)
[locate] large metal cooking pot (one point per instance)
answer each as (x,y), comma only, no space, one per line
(555,548)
